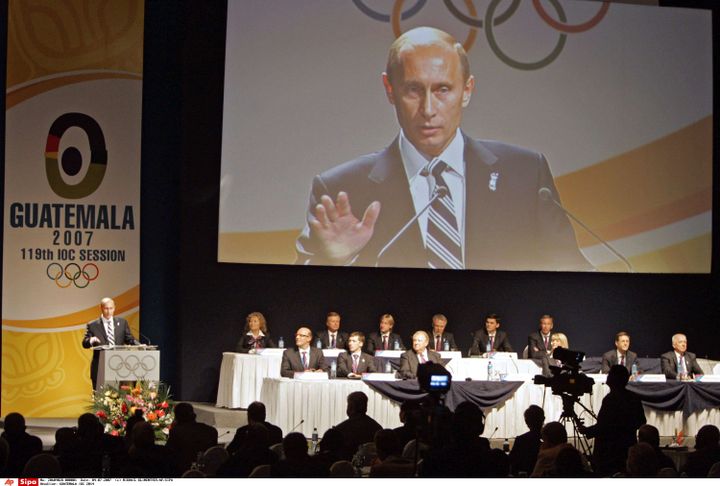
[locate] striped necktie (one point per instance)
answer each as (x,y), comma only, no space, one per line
(443,238)
(110,332)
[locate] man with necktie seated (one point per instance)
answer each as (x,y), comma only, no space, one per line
(679,363)
(303,357)
(440,337)
(539,341)
(620,355)
(354,363)
(385,339)
(490,338)
(107,330)
(332,337)
(419,354)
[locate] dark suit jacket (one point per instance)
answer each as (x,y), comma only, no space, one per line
(536,345)
(374,342)
(97,329)
(366,364)
(292,362)
(356,431)
(609,359)
(187,439)
(446,336)
(480,340)
(668,364)
(409,362)
(536,234)
(340,339)
(247,342)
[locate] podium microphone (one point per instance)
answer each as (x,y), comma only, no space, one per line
(302,421)
(439,192)
(143,336)
(546,195)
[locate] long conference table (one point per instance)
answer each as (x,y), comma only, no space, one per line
(301,406)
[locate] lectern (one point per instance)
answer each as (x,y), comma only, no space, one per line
(128,363)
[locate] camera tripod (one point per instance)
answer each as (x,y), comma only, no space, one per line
(569,416)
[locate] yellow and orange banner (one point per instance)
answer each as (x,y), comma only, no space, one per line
(72,193)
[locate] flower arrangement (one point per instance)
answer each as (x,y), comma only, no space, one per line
(114,406)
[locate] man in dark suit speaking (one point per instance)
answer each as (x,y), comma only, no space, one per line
(476,202)
(106,330)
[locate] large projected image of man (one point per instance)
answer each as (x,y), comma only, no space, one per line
(476,202)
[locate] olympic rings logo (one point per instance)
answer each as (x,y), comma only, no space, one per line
(132,366)
(490,21)
(72,273)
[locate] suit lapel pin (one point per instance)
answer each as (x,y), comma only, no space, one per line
(492,183)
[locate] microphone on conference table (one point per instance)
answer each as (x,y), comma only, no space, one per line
(438,192)
(493,434)
(546,195)
(143,336)
(302,421)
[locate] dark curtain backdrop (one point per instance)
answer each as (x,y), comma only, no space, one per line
(194,307)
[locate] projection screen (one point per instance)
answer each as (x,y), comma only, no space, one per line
(601,111)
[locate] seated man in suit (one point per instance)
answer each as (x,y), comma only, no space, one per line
(620,355)
(106,330)
(332,337)
(303,357)
(440,336)
(354,363)
(539,341)
(410,360)
(490,336)
(359,427)
(679,363)
(385,339)
(255,415)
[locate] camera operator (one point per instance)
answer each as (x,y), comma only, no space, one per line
(621,415)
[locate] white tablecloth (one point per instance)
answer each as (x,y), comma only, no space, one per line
(302,406)
(241,378)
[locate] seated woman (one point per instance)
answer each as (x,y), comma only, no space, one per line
(557,339)
(256,335)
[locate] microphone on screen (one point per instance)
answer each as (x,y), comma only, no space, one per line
(546,194)
(439,192)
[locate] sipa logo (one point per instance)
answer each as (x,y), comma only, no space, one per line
(28,482)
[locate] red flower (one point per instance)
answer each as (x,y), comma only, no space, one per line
(161,413)
(114,432)
(164,405)
(101,414)
(123,407)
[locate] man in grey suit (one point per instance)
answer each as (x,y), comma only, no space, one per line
(410,360)
(385,339)
(107,330)
(620,355)
(679,363)
(303,357)
(440,337)
(332,337)
(354,363)
(459,188)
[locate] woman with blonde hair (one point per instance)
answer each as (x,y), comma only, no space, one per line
(256,335)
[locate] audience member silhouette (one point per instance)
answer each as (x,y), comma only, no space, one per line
(188,437)
(147,459)
(330,448)
(569,463)
(649,434)
(641,461)
(620,416)
(255,415)
(252,452)
(91,448)
(526,447)
(4,455)
(297,463)
(22,445)
(137,417)
(359,428)
(707,452)
(390,463)
(410,416)
(465,453)
(554,440)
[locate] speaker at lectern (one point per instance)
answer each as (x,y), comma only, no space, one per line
(128,363)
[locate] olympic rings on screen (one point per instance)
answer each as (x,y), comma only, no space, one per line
(72,274)
(525,66)
(469,40)
(374,14)
(489,21)
(571,29)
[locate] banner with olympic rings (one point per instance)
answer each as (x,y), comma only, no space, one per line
(72,193)
(617,97)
